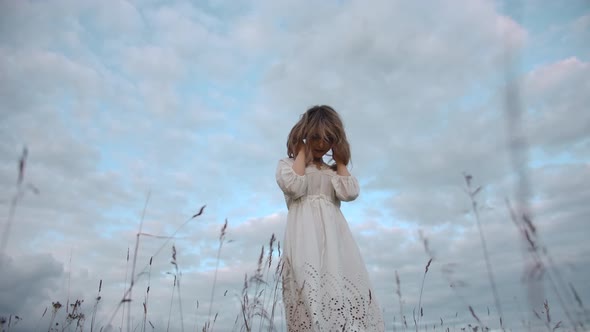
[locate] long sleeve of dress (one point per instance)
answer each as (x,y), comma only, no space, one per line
(346,187)
(293,185)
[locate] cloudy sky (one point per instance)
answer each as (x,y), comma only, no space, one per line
(189,103)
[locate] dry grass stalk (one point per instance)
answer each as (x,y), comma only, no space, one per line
(176,286)
(171,301)
(98,298)
(127,294)
(538,252)
(472,193)
(11,323)
(244,301)
(124,299)
(147,295)
(261,301)
(133,266)
(222,234)
(414,317)
(267,268)
(421,291)
(21,189)
(474,315)
(179,274)
(276,293)
(431,258)
(56,306)
(577,297)
(76,315)
(399,294)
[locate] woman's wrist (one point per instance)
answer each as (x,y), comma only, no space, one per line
(341,169)
(301,152)
(299,164)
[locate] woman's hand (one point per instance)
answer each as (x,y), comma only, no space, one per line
(300,148)
(338,154)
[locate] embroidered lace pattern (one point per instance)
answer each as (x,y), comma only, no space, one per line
(325,302)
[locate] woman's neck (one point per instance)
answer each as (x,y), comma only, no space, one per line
(318,162)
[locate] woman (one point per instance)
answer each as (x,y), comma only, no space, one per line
(325,282)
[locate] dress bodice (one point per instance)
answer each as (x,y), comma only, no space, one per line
(316,183)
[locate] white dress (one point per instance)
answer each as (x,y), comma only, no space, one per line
(325,282)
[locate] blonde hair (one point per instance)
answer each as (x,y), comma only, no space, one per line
(323,121)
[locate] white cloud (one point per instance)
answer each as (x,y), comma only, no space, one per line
(26,281)
(194,102)
(557,95)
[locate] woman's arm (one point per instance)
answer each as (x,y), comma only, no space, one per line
(299,164)
(340,165)
(292,184)
(341,169)
(345,185)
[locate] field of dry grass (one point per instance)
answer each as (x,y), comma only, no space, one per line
(260,297)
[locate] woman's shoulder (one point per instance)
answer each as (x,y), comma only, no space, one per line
(286,161)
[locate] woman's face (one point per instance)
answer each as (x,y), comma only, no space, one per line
(319,145)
